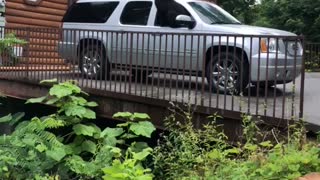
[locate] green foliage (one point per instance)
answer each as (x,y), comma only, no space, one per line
(298,16)
(130,168)
(183,151)
(189,153)
(6,48)
(66,145)
(242,10)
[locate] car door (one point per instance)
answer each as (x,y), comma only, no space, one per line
(132,35)
(175,48)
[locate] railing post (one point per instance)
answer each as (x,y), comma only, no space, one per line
(302,80)
(27,51)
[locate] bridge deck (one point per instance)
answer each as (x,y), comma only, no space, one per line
(277,102)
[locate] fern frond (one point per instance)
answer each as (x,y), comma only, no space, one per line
(52,123)
(49,138)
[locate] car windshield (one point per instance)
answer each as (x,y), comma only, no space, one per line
(212,14)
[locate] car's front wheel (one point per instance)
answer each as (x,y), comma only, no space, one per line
(226,74)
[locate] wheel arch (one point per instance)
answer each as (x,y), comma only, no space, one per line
(213,50)
(85,41)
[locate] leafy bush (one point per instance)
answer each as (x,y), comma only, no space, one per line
(6,48)
(189,153)
(67,145)
(183,151)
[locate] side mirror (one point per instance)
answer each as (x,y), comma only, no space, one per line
(185,21)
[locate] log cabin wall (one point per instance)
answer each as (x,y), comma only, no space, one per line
(45,19)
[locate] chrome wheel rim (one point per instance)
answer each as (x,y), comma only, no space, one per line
(91,63)
(225,75)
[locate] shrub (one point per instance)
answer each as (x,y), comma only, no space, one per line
(67,145)
(197,154)
(7,45)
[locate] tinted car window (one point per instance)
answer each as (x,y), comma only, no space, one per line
(136,13)
(91,12)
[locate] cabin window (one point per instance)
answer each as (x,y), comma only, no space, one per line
(90,12)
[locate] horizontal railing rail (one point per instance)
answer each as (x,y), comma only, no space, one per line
(261,75)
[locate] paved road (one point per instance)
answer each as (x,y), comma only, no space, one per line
(312,98)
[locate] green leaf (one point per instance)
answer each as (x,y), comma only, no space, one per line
(140,116)
(215,154)
(78,100)
(266,144)
(145,177)
(89,114)
(128,136)
(92,104)
(57,153)
(49,81)
(89,146)
(111,132)
(139,146)
(16,118)
(75,110)
(29,139)
(116,151)
(36,100)
(122,115)
(81,129)
(41,147)
(232,151)
(64,89)
(143,154)
(6,118)
(53,100)
(143,128)
(111,141)
(250,147)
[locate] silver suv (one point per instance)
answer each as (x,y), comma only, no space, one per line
(189,35)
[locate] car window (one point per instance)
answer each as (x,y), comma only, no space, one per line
(90,12)
(167,13)
(136,13)
(211,14)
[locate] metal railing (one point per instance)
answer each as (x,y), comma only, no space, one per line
(260,75)
(312,56)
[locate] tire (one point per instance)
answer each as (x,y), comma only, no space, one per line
(263,85)
(225,73)
(93,63)
(140,75)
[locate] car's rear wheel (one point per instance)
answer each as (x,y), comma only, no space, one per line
(93,62)
(226,74)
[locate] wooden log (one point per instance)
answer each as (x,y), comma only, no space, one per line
(41,61)
(44,54)
(36,41)
(33,15)
(30,33)
(36,68)
(31,21)
(47,4)
(16,26)
(43,48)
(37,9)
(59,1)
